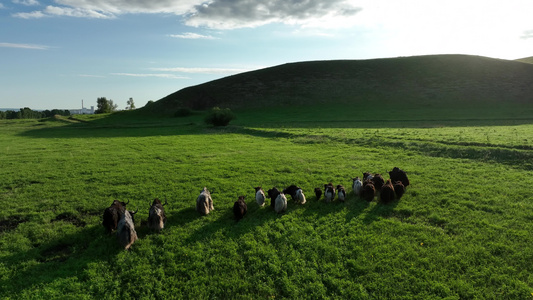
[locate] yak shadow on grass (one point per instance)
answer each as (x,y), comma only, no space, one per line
(353,205)
(379,210)
(222,221)
(64,257)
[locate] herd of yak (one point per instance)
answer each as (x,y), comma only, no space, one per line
(117,217)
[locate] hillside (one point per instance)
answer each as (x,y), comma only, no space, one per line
(528,60)
(435,81)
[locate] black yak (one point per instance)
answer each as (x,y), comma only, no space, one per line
(239,208)
(387,192)
(399,189)
(318,193)
(369,191)
(112,215)
(378,181)
(398,174)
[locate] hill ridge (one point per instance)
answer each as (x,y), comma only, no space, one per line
(432,80)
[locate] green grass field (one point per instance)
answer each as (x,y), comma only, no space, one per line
(463,230)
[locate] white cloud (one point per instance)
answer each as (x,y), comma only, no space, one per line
(77,12)
(30,15)
(169,76)
(133,6)
(24,46)
(26,2)
(412,27)
(527,34)
(230,14)
(220,14)
(193,36)
(227,71)
(50,11)
(90,76)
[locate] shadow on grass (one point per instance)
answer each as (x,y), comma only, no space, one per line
(380,210)
(65,257)
(130,126)
(137,124)
(516,156)
(222,221)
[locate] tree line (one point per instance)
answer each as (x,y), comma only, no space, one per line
(27,113)
(104,105)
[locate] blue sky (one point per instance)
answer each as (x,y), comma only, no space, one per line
(55,53)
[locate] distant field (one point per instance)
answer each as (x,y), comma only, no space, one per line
(462,231)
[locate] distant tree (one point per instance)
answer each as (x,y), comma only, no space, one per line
(219,117)
(102,106)
(27,113)
(130,105)
(11,114)
(50,113)
(2,115)
(112,105)
(105,106)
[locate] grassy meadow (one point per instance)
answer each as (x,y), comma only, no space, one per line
(463,230)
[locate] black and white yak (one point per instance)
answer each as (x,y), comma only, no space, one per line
(204,202)
(259,196)
(296,193)
(329,192)
(126,233)
(278,200)
(341,193)
(156,215)
(357,186)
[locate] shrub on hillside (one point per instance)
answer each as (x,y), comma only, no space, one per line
(219,117)
(183,112)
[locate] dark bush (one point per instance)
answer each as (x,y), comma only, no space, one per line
(219,117)
(183,112)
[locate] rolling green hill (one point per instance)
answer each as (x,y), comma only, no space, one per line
(433,82)
(528,60)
